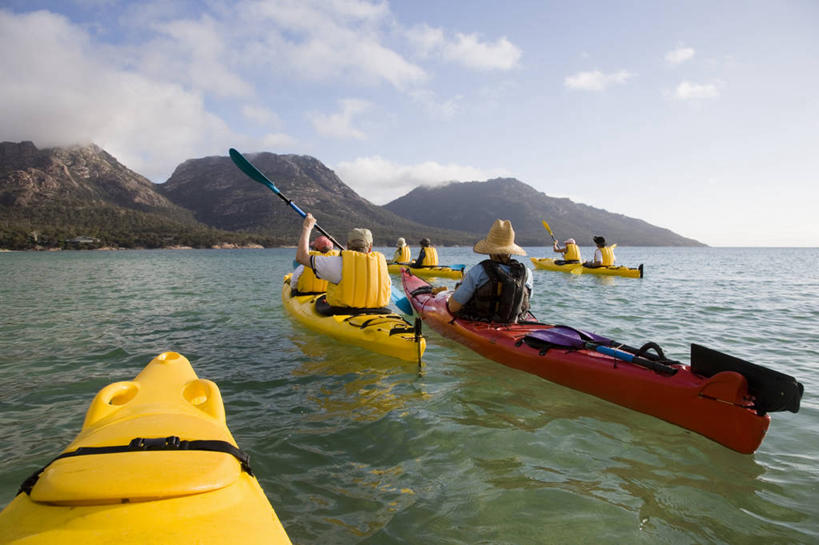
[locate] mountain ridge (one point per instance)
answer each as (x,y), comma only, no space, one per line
(50,196)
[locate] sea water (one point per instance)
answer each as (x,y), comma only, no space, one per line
(354,447)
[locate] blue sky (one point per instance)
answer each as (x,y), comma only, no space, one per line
(702,117)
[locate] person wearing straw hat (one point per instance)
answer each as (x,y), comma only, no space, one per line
(496,289)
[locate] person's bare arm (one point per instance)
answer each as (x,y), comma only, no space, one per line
(453,306)
(303,249)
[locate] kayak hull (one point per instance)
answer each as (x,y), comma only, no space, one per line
(139,497)
(717,407)
(429,272)
(548,264)
(389,334)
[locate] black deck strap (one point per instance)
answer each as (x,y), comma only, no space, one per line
(144,444)
(650,346)
(397,330)
(774,391)
(295,293)
(325,309)
(422,289)
(384,317)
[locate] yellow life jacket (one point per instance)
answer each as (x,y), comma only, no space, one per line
(365,281)
(572,253)
(430,257)
(308,283)
(402,255)
(607,254)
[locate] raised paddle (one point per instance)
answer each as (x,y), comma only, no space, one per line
(246,167)
(546,226)
(254,174)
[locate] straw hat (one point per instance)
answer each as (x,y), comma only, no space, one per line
(500,240)
(401,242)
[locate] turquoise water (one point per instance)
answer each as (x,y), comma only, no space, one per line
(352,447)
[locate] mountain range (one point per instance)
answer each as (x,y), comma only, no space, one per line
(55,197)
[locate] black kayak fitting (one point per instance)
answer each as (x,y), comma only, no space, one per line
(774,391)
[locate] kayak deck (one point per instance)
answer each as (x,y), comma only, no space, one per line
(548,264)
(442,271)
(135,494)
(718,407)
(384,333)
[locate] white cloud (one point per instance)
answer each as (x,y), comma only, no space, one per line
(679,55)
(434,105)
(327,40)
(694,91)
(465,49)
(58,92)
(278,141)
(471,52)
(340,125)
(381,181)
(596,80)
(199,52)
(260,115)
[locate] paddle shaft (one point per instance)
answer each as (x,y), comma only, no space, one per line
(631,358)
(253,173)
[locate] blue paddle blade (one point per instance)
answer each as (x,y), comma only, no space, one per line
(400,301)
(459,267)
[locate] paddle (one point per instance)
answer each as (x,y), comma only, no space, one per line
(572,338)
(546,225)
(252,172)
(401,301)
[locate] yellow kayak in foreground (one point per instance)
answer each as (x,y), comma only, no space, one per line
(548,264)
(386,333)
(455,271)
(154,462)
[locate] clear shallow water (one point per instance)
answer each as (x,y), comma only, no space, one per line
(352,447)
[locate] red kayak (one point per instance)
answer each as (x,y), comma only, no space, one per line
(719,396)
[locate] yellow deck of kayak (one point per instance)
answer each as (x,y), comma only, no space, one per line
(548,264)
(438,272)
(146,497)
(388,334)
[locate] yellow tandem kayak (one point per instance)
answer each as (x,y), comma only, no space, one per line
(442,271)
(383,332)
(154,462)
(548,264)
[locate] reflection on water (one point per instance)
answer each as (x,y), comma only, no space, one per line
(367,389)
(352,447)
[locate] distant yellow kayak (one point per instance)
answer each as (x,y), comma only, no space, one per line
(382,332)
(153,463)
(548,264)
(454,271)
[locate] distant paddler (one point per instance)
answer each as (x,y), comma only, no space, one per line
(402,254)
(603,255)
(427,256)
(570,251)
(304,281)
